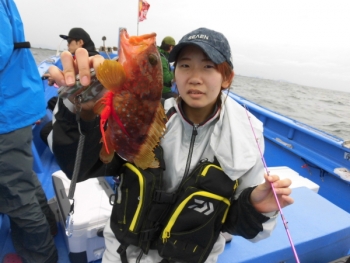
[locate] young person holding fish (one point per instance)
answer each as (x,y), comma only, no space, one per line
(204,128)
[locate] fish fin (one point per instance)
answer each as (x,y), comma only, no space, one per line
(119,122)
(103,107)
(107,151)
(111,74)
(146,158)
(99,106)
(102,125)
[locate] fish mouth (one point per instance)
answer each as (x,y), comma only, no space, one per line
(130,46)
(137,40)
(123,32)
(123,36)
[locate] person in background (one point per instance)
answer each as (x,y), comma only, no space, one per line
(22,103)
(76,38)
(203,124)
(168,75)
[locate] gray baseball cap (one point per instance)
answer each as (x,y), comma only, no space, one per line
(213,43)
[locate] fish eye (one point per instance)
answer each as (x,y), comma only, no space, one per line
(152,59)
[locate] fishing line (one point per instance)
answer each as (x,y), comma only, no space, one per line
(58,48)
(285,223)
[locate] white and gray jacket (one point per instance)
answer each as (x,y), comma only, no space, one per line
(227,135)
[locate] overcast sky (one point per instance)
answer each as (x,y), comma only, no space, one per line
(301,41)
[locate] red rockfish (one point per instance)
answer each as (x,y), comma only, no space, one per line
(132,105)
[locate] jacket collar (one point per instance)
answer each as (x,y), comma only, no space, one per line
(211,117)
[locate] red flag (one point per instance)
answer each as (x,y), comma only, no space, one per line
(143,9)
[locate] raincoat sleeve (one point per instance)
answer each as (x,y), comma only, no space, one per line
(6,36)
(66,138)
(20,82)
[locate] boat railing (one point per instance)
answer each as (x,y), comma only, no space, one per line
(324,150)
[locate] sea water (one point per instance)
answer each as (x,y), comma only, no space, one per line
(326,110)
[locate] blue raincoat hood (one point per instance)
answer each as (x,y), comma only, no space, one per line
(22,99)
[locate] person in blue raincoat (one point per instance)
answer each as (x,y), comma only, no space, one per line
(22,103)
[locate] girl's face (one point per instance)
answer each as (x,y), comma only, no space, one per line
(197,80)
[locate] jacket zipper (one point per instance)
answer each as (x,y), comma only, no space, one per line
(190,151)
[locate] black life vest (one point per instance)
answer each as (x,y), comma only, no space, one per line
(183,225)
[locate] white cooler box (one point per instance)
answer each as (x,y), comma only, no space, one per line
(297,180)
(91,212)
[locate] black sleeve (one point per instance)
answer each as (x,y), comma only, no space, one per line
(65,143)
(242,218)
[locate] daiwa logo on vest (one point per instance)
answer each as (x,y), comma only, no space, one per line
(204,207)
(198,36)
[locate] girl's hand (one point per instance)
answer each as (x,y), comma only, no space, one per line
(263,199)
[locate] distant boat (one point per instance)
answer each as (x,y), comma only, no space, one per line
(317,163)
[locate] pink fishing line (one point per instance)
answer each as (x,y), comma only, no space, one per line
(285,223)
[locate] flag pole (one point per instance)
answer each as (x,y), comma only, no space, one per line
(138,18)
(142,12)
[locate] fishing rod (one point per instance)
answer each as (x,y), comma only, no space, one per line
(285,223)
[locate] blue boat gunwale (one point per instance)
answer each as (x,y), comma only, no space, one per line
(320,148)
(322,135)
